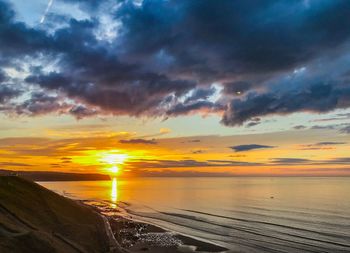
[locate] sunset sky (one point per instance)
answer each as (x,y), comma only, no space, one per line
(175,88)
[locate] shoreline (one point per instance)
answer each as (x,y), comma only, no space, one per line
(137,236)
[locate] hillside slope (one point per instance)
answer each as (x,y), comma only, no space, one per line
(34,219)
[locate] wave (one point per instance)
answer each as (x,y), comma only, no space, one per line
(247,234)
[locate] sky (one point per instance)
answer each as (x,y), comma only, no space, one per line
(175,88)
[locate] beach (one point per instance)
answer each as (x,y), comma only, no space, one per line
(136,236)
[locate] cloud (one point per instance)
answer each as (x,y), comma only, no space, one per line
(298,161)
(289,161)
(339,116)
(236,88)
(251,124)
(299,127)
(345,130)
(248,147)
(7,92)
(143,163)
(14,164)
(230,33)
(269,57)
(342,128)
(138,141)
(319,127)
(164,130)
(327,143)
(254,122)
(339,160)
(319,97)
(41,103)
(80,111)
(197,151)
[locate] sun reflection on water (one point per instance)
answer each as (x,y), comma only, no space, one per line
(114,192)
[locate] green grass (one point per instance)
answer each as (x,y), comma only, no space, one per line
(36,219)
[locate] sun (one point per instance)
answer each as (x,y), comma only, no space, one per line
(114,169)
(113,161)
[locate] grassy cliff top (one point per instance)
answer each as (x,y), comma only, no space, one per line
(55,176)
(34,219)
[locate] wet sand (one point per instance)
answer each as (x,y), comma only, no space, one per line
(137,237)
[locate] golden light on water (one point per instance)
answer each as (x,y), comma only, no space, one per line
(114,191)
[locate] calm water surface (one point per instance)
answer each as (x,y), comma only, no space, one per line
(244,214)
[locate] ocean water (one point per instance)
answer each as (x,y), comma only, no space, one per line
(262,214)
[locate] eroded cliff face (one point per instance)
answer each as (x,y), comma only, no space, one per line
(34,219)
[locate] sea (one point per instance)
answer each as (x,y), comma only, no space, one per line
(243,214)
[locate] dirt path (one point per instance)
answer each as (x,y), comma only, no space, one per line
(114,246)
(29,227)
(15,218)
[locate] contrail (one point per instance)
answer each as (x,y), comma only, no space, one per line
(46,11)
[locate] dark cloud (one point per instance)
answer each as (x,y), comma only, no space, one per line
(327,127)
(345,130)
(296,161)
(3,76)
(327,143)
(339,116)
(80,111)
(66,160)
(345,115)
(198,151)
(342,128)
(227,34)
(139,141)
(290,161)
(17,40)
(339,160)
(8,92)
(254,122)
(236,88)
(248,147)
(40,103)
(320,97)
(299,127)
(251,124)
(279,57)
